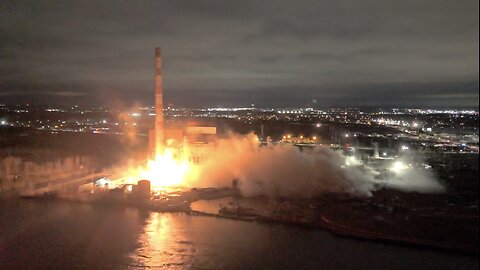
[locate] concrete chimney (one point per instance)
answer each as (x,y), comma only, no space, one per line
(159,125)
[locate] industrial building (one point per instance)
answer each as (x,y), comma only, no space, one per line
(193,141)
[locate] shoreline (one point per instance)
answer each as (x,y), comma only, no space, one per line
(323,223)
(344,231)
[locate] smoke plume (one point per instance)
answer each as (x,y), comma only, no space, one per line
(415,178)
(286,171)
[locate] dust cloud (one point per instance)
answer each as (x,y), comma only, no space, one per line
(286,171)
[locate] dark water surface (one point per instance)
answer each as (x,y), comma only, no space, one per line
(54,235)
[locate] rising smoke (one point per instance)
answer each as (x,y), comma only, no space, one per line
(286,171)
(414,179)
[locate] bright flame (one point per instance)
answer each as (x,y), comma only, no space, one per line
(169,169)
(165,170)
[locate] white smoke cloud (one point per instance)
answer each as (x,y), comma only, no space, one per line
(281,170)
(414,178)
(286,171)
(417,180)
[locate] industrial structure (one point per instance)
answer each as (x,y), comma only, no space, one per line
(193,140)
(190,140)
(159,123)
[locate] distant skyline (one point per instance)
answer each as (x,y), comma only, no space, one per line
(234,53)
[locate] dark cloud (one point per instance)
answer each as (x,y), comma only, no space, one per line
(271,53)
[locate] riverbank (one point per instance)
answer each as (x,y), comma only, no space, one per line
(327,215)
(56,235)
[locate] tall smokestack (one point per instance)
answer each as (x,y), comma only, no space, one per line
(159,126)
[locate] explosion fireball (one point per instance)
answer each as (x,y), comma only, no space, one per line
(169,169)
(279,170)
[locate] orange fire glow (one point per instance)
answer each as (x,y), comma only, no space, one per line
(168,169)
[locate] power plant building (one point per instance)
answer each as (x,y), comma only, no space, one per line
(195,141)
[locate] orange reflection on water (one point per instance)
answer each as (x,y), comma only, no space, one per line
(163,244)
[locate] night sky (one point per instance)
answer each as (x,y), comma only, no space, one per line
(269,53)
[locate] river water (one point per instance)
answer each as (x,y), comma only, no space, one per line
(54,235)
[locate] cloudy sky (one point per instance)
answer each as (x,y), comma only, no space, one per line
(270,53)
